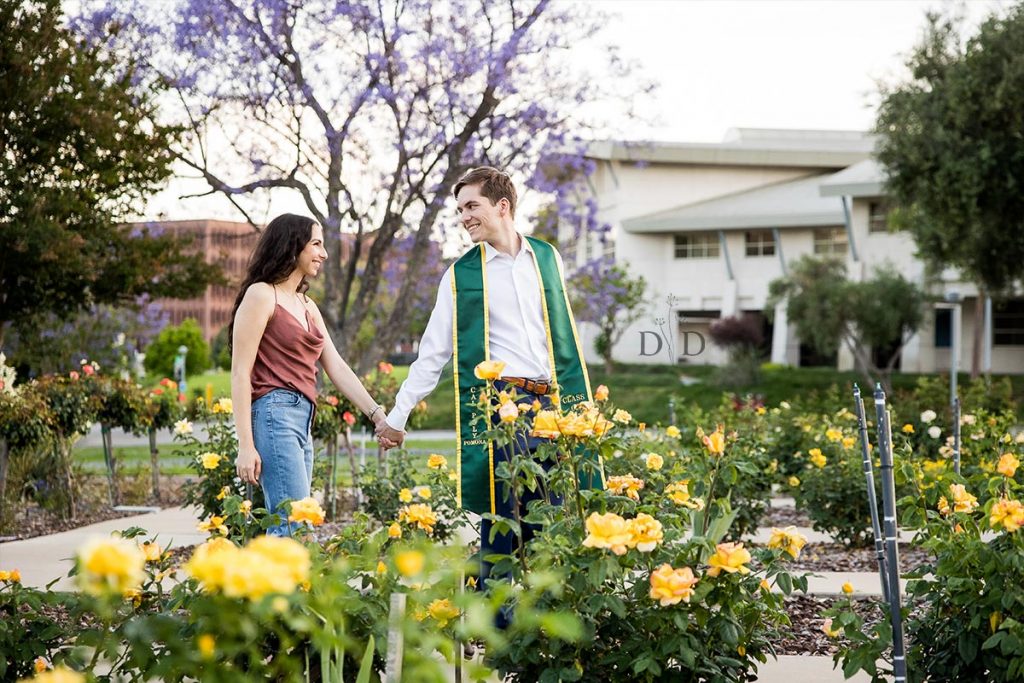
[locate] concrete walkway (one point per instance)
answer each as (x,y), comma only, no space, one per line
(47,558)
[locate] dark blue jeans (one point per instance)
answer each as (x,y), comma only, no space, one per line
(507,544)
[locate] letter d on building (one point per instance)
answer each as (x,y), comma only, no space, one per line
(643,343)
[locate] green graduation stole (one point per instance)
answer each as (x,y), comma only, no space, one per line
(475,488)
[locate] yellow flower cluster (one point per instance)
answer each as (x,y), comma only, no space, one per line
(671,586)
(817,457)
(833,434)
(1008,513)
(789,539)
(730,558)
(306,510)
(110,565)
(210,461)
(419,514)
(962,501)
(436,461)
(679,493)
(267,565)
(611,532)
(672,432)
(223,405)
(585,420)
(625,485)
(12,576)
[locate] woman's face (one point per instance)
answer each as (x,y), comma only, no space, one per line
(313,254)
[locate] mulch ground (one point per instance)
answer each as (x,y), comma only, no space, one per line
(805,635)
(835,557)
(785,516)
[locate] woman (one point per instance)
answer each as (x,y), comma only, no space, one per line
(277,336)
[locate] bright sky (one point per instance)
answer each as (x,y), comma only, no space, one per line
(724,64)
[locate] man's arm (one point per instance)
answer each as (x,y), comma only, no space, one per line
(435,351)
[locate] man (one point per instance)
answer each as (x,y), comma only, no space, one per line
(504,300)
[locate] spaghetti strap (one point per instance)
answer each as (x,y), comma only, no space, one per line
(274,287)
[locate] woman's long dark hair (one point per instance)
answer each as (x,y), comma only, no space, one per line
(275,257)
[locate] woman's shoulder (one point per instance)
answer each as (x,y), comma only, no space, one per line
(260,294)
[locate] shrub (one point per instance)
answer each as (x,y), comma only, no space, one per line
(160,354)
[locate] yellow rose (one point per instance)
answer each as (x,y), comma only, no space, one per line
(110,565)
(962,500)
(672,431)
(223,405)
(679,493)
(833,434)
(729,557)
(40,665)
(59,675)
(306,510)
(437,461)
(1008,465)
(653,461)
(151,551)
(508,412)
(794,481)
(381,567)
(827,629)
(646,533)
(849,441)
(489,369)
(410,563)
(848,588)
(671,586)
(817,457)
(213,524)
(210,460)
(1009,513)
(622,417)
(545,425)
(423,492)
(442,611)
(608,531)
(419,514)
(601,393)
(405,496)
(245,507)
(908,428)
(715,441)
(395,530)
(789,540)
(206,645)
(224,493)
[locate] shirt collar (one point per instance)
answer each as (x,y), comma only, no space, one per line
(490,251)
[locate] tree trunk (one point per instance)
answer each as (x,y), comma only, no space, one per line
(154,460)
(979,334)
(350,449)
(63,453)
(331,486)
(108,455)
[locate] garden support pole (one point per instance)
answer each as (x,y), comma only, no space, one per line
(869,477)
(396,639)
(352,465)
(892,552)
(956,434)
(108,457)
(154,459)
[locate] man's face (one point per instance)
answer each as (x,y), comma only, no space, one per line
(481,219)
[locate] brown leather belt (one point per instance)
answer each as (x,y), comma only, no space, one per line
(530,385)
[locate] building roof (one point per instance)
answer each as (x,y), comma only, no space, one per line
(748,147)
(863,179)
(792,203)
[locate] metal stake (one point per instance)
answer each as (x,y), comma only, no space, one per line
(956,434)
(869,477)
(892,552)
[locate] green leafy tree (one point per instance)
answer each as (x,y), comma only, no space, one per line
(160,354)
(874,319)
(950,142)
(609,297)
(78,151)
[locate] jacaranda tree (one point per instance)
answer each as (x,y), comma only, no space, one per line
(369,111)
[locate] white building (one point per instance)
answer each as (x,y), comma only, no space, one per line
(710,225)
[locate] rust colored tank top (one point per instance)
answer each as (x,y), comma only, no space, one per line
(287,355)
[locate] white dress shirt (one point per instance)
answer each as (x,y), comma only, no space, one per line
(517,334)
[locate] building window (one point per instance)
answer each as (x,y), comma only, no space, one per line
(760,243)
(943,328)
(878,217)
(830,241)
(697,245)
(1008,323)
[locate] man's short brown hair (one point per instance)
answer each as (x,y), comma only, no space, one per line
(494,184)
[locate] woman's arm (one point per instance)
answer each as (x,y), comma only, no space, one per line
(250,321)
(342,375)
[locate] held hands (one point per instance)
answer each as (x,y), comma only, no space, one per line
(387,436)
